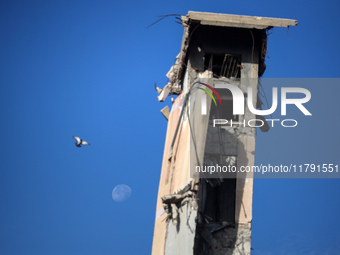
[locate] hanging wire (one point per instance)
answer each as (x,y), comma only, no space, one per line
(163,17)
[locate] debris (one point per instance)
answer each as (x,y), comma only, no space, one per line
(159,90)
(166,112)
(164,93)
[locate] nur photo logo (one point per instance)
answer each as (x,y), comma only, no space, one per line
(204,98)
(295,96)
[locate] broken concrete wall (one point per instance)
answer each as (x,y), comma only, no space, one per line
(181,227)
(196,214)
(188,139)
(175,212)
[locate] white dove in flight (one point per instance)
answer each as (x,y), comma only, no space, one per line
(80,142)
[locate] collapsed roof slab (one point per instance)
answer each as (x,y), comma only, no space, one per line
(241,21)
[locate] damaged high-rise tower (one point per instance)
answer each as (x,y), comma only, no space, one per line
(204,203)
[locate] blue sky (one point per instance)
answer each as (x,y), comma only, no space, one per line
(87,68)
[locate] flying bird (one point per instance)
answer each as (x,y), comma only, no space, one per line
(80,142)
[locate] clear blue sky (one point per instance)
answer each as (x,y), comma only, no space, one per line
(87,68)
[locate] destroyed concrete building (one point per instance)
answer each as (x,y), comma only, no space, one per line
(199,212)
